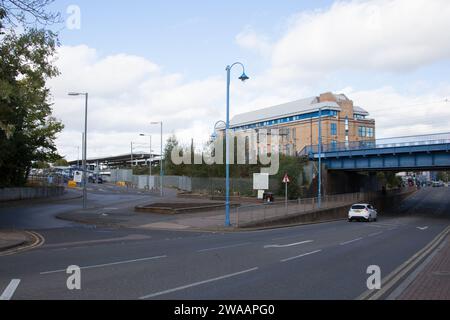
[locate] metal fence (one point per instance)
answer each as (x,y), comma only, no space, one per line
(419,140)
(45,180)
(265,212)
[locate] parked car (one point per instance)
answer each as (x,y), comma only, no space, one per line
(93,179)
(362,212)
(438,184)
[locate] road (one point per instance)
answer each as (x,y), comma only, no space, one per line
(319,261)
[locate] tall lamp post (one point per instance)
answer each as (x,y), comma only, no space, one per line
(86,95)
(319,192)
(214,135)
(149,157)
(243,78)
(161,171)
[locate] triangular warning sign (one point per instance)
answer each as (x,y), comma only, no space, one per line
(286,179)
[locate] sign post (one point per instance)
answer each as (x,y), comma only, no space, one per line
(286,180)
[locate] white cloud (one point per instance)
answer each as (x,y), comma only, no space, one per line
(379,35)
(249,39)
(128,92)
(397,114)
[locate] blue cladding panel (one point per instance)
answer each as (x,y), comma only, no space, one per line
(402,161)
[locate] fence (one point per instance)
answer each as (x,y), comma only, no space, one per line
(45,180)
(264,212)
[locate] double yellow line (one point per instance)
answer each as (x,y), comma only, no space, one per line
(36,240)
(389,282)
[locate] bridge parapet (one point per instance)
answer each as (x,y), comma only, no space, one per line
(407,144)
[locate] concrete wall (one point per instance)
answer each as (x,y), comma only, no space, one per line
(10,194)
(383,204)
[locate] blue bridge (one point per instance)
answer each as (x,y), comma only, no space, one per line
(412,153)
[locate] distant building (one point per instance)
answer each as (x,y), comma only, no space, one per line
(297,121)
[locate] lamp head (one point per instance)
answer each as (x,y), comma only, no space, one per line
(243,77)
(74,94)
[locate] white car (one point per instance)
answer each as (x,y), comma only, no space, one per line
(362,212)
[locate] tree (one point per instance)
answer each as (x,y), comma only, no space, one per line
(61,163)
(293,167)
(27,12)
(27,128)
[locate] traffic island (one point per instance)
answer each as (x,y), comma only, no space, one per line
(182,207)
(14,241)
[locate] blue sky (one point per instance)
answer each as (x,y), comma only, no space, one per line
(195,37)
(166,60)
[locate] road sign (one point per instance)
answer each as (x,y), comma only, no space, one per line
(260,181)
(286,180)
(77,176)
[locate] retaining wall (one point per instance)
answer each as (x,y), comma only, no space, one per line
(10,194)
(383,204)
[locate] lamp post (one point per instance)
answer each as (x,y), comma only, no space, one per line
(319,192)
(214,135)
(149,157)
(243,78)
(161,171)
(86,95)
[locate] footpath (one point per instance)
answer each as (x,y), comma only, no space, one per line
(432,279)
(13,241)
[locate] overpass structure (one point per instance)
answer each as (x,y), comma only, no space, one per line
(121,160)
(411,153)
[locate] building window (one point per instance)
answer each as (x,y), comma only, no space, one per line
(333,129)
(333,144)
(366,132)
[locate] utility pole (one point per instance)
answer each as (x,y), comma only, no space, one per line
(131,153)
(319,192)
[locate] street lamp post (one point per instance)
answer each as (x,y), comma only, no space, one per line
(243,78)
(161,171)
(214,135)
(149,157)
(319,192)
(86,95)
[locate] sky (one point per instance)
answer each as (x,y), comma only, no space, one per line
(165,61)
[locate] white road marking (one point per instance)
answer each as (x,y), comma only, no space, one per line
(107,264)
(351,241)
(152,295)
(286,245)
(375,234)
(422,228)
(225,247)
(10,289)
(300,256)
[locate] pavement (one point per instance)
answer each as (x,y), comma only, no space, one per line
(320,261)
(10,239)
(432,282)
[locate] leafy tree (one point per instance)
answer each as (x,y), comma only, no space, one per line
(443,176)
(61,163)
(27,128)
(27,12)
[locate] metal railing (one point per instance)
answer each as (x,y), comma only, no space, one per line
(419,140)
(45,180)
